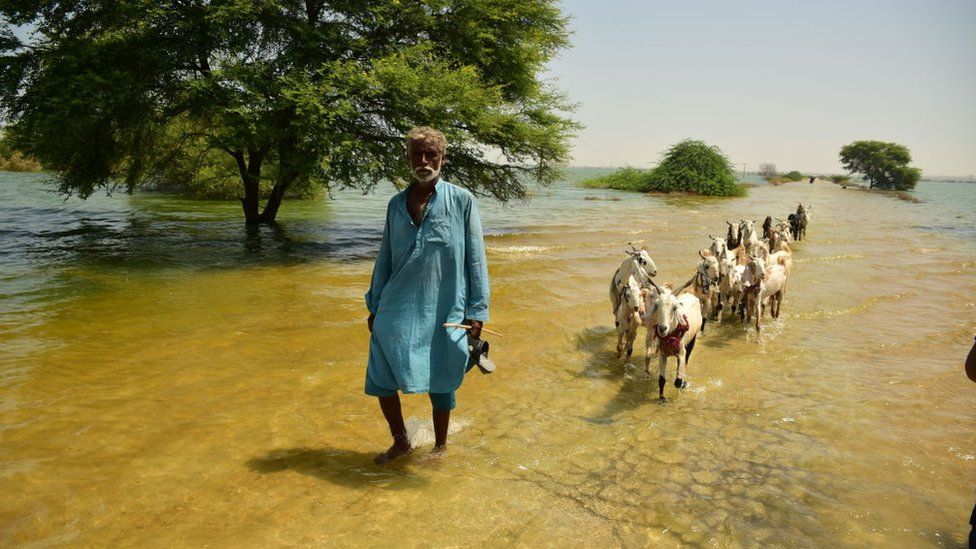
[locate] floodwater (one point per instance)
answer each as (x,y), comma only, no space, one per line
(170,379)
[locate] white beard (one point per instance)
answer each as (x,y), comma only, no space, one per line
(433,174)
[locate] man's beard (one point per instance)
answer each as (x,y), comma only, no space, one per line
(426,175)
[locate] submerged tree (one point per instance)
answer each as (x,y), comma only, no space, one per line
(884,165)
(109,93)
(690,166)
(695,166)
(768,171)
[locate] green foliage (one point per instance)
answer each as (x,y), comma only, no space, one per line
(793,176)
(840,178)
(624,179)
(883,164)
(12,160)
(318,93)
(689,166)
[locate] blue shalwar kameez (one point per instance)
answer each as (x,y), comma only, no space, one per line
(423,277)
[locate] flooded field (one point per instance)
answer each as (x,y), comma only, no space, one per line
(168,379)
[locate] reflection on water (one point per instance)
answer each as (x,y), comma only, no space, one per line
(168,377)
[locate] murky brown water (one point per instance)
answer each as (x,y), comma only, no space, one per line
(224,406)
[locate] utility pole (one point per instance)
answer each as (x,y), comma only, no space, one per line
(743,164)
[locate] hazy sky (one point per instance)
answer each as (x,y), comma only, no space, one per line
(779,81)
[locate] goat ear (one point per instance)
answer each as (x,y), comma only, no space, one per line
(701,253)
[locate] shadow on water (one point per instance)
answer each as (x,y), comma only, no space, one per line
(636,388)
(341,467)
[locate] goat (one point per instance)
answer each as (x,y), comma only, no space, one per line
(676,322)
(749,237)
(629,314)
(704,283)
(734,237)
(771,285)
(638,265)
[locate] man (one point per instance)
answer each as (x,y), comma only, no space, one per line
(431,270)
(971,374)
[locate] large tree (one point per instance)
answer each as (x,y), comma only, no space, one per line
(300,92)
(883,164)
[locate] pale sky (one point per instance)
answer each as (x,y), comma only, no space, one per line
(781,81)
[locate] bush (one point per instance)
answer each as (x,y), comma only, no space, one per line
(793,176)
(689,166)
(696,167)
(14,161)
(840,178)
(625,179)
(17,162)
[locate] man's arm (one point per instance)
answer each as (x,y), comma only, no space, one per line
(381,273)
(476,270)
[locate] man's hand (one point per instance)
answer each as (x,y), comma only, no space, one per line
(369,321)
(475,329)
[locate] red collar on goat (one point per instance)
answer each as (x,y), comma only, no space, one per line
(671,343)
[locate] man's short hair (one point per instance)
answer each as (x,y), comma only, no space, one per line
(426,134)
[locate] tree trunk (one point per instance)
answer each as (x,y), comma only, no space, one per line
(287,173)
(251,176)
(274,201)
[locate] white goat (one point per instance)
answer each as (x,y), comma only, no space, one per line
(726,284)
(771,286)
(704,283)
(676,322)
(638,265)
(629,314)
(749,236)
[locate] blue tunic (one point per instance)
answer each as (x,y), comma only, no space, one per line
(424,277)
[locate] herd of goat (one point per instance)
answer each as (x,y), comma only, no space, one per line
(743,273)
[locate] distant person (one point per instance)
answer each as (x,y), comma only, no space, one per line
(812,178)
(431,270)
(971,373)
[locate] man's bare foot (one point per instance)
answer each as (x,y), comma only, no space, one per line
(436,453)
(399,449)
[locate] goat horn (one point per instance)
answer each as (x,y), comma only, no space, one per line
(656,287)
(686,284)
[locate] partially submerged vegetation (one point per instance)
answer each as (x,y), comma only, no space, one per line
(15,161)
(687,167)
(788,177)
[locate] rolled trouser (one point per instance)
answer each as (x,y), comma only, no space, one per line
(439,401)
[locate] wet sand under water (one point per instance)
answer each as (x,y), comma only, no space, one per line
(225,406)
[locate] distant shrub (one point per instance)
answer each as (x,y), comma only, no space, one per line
(17,162)
(624,179)
(689,166)
(840,178)
(14,161)
(793,176)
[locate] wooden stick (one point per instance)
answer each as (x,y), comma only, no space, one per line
(466,327)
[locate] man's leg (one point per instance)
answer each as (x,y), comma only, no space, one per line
(394,417)
(390,405)
(442,404)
